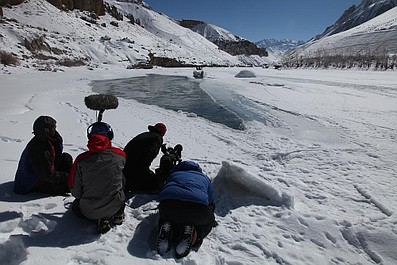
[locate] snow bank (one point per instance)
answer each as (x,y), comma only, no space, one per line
(235,181)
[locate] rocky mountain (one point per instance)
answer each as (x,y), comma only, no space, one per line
(277,48)
(350,42)
(357,15)
(227,41)
(44,34)
(209,31)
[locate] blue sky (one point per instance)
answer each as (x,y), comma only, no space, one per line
(260,19)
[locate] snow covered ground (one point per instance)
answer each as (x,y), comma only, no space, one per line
(316,185)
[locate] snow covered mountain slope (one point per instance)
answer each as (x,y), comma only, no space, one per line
(277,48)
(376,35)
(210,32)
(38,33)
(357,15)
(247,52)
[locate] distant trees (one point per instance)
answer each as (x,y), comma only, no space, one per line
(378,59)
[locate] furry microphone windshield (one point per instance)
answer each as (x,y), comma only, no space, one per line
(101,102)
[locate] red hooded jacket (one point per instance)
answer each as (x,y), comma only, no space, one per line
(97,180)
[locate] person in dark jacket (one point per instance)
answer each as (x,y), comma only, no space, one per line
(43,167)
(141,151)
(96,180)
(186,209)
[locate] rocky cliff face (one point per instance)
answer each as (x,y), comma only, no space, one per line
(190,23)
(96,6)
(357,15)
(224,39)
(10,2)
(243,47)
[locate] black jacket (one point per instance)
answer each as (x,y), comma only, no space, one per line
(40,158)
(141,151)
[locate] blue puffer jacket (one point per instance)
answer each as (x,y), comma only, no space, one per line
(187,183)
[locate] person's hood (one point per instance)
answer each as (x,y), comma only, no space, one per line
(187,165)
(98,143)
(41,124)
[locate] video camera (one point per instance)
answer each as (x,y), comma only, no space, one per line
(171,156)
(174,153)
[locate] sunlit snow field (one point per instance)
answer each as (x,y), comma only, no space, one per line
(311,177)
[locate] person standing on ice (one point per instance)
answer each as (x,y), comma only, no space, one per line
(96,179)
(186,209)
(141,151)
(43,167)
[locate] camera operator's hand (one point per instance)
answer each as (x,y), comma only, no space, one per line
(167,163)
(178,151)
(164,148)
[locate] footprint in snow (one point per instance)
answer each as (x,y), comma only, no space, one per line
(9,139)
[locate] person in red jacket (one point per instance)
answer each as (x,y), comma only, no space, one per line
(97,181)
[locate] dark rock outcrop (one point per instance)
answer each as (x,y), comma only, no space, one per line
(96,6)
(36,44)
(112,10)
(244,47)
(186,23)
(164,61)
(10,2)
(225,40)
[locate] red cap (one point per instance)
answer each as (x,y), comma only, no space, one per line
(161,128)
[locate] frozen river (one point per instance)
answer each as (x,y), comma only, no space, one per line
(216,103)
(177,93)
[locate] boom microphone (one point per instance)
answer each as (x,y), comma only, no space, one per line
(101,102)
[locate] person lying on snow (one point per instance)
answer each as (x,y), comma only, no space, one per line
(186,209)
(96,179)
(141,151)
(43,167)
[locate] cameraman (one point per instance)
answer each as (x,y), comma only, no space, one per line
(141,151)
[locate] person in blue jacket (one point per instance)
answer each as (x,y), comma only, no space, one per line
(43,167)
(186,208)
